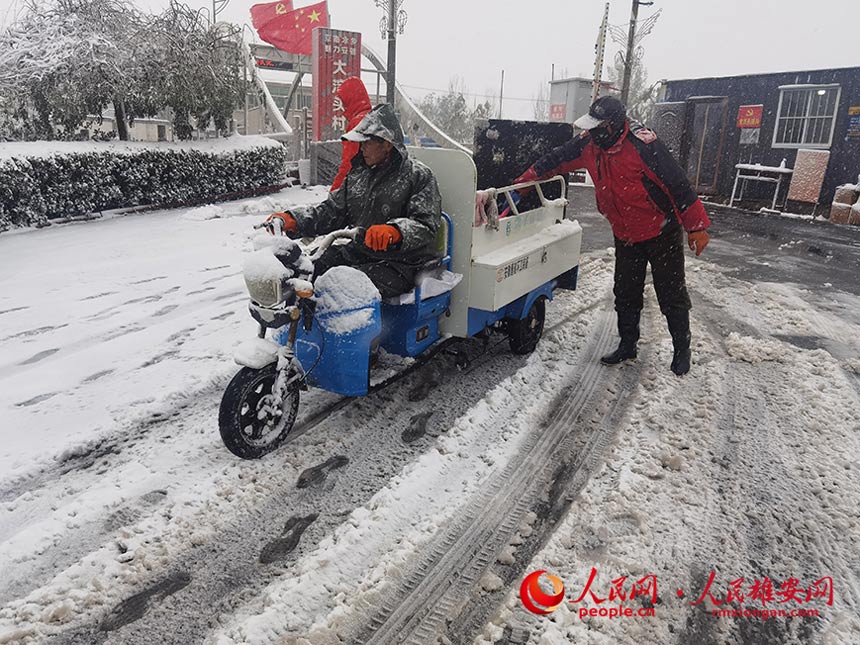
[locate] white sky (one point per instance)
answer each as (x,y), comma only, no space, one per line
(477,39)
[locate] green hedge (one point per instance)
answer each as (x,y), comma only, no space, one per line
(36,189)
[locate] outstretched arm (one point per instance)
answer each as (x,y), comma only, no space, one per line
(325,217)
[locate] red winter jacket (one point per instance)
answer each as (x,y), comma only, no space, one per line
(638,184)
(356,103)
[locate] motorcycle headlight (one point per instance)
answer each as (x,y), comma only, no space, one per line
(267,292)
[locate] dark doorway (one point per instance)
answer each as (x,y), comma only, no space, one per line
(702,143)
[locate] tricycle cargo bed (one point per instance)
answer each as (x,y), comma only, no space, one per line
(503,275)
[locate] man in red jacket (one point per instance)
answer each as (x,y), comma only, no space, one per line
(356,104)
(649,203)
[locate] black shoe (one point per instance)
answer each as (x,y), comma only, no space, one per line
(681,361)
(623,353)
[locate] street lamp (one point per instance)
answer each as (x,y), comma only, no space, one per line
(392,23)
(628,59)
(217,7)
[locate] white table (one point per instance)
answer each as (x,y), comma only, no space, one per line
(756,172)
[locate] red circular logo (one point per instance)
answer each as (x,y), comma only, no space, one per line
(535,599)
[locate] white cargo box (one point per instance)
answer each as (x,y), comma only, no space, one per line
(502,275)
(529,248)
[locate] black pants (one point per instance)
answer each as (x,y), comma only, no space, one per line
(391,278)
(665,254)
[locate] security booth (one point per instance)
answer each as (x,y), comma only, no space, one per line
(781,140)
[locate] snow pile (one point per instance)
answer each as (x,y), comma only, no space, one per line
(256,352)
(203,213)
(432,284)
(344,288)
(263,266)
(346,300)
(755,350)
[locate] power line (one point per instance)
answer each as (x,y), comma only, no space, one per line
(486,96)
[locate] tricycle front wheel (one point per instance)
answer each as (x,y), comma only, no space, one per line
(250,422)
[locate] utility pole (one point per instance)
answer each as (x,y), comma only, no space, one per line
(599,50)
(501,93)
(391,24)
(631,45)
(392,51)
(628,59)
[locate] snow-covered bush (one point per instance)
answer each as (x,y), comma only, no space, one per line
(36,188)
(21,200)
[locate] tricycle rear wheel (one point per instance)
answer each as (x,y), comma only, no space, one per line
(524,334)
(250,425)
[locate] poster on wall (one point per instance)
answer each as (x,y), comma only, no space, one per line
(750,136)
(853,133)
(749,116)
(336,57)
(556,112)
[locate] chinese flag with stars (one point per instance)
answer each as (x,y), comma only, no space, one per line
(293,30)
(263,13)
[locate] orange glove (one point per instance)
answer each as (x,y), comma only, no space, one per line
(379,236)
(697,241)
(528,175)
(288,223)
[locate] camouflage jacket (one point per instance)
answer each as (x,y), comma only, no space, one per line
(401,191)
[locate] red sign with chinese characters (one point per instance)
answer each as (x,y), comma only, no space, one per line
(336,57)
(556,112)
(749,116)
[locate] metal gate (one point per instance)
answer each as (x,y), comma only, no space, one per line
(669,125)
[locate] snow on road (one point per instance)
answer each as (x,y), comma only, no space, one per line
(106,322)
(747,468)
(115,342)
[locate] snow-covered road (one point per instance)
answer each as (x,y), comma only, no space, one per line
(414,513)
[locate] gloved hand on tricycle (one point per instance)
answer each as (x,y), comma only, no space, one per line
(281,223)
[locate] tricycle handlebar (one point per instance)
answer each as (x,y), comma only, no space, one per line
(316,252)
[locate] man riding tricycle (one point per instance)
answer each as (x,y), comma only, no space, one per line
(394,274)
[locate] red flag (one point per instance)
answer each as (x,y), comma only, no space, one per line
(292,31)
(263,13)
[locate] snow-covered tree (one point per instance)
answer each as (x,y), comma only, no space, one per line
(452,114)
(541,105)
(196,69)
(64,62)
(642,93)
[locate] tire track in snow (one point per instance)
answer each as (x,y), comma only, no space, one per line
(225,572)
(422,609)
(766,528)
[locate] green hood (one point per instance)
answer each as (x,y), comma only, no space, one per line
(380,122)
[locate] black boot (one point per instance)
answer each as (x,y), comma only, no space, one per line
(628,329)
(679,328)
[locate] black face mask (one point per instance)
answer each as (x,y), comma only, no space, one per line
(604,137)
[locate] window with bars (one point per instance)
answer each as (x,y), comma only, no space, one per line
(806,117)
